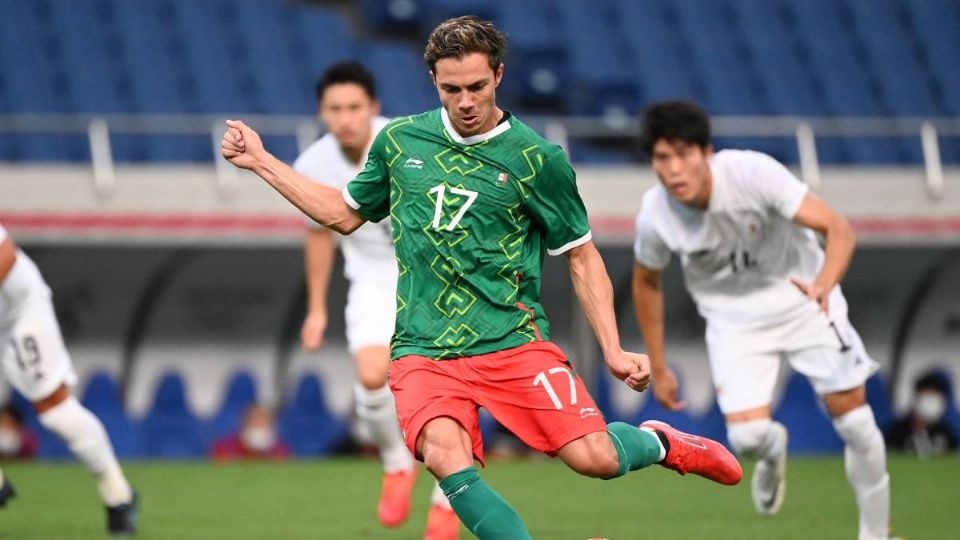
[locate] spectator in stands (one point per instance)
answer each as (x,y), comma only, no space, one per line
(17,441)
(923,431)
(255,439)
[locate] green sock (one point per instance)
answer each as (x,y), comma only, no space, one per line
(482,509)
(637,448)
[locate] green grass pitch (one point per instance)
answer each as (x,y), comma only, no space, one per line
(335,499)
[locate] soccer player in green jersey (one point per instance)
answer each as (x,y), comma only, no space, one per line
(475,199)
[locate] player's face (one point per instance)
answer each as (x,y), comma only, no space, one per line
(684,169)
(468,88)
(347,110)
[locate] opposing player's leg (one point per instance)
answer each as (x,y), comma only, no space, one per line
(377,411)
(86,437)
(744,366)
(442,521)
(37,364)
(837,371)
(441,426)
(865,459)
(753,432)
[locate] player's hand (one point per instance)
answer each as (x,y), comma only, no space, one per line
(311,333)
(815,292)
(666,390)
(241,145)
(631,368)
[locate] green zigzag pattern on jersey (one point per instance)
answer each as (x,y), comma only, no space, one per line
(459,160)
(393,149)
(454,341)
(453,299)
(396,194)
(511,244)
(530,154)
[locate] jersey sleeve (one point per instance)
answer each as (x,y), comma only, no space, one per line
(555,203)
(369,192)
(649,249)
(774,186)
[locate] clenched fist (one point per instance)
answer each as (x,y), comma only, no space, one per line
(241,145)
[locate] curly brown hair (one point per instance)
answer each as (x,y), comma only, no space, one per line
(460,36)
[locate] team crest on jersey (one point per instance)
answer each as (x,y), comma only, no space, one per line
(502,178)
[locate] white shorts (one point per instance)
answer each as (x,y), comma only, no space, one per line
(33,358)
(827,350)
(370,315)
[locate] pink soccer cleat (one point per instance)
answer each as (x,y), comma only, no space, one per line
(698,455)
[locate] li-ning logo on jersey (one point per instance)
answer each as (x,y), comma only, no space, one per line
(587,412)
(413,163)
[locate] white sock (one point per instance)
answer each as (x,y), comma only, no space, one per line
(653,433)
(757,438)
(438,498)
(377,410)
(865,458)
(87,439)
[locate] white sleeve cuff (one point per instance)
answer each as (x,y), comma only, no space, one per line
(570,245)
(351,202)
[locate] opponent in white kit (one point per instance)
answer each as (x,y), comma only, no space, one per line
(743,227)
(36,363)
(348,106)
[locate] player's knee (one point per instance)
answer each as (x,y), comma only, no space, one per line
(747,437)
(442,448)
(596,461)
(858,428)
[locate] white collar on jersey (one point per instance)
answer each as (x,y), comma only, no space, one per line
(473,139)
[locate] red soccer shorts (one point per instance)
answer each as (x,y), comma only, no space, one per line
(530,389)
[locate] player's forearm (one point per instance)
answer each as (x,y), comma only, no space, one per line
(323,204)
(318,260)
(595,293)
(648,304)
(840,241)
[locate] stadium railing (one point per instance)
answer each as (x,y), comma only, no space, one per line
(560,129)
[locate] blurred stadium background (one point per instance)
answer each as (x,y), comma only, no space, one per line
(179,282)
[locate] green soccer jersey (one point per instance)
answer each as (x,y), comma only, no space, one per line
(472,218)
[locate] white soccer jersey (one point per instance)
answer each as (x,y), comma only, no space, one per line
(368,251)
(21,284)
(739,254)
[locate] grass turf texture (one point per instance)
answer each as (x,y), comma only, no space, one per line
(335,499)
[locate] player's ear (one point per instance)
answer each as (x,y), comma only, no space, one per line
(375,106)
(498,74)
(433,77)
(708,150)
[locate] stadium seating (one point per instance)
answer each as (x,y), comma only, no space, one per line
(782,57)
(102,397)
(306,424)
(170,430)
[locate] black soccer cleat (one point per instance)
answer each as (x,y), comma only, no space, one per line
(122,519)
(6,492)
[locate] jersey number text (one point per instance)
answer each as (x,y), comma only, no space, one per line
(440,190)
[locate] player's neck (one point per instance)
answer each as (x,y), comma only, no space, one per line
(356,154)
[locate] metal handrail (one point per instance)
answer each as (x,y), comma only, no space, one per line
(559,129)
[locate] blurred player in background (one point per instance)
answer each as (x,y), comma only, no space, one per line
(348,106)
(743,227)
(36,363)
(476,199)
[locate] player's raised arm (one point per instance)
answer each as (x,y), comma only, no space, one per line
(595,293)
(648,303)
(242,147)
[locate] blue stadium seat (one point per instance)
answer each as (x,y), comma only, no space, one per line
(437,11)
(402,77)
(660,63)
(241,393)
(602,82)
(28,51)
(102,397)
(719,56)
(170,430)
(306,423)
(935,26)
(386,16)
(811,429)
(537,71)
